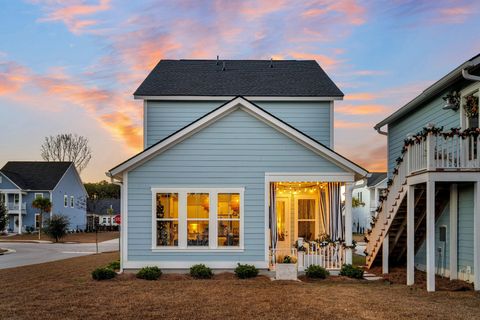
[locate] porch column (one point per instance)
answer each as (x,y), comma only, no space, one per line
(453,231)
(20,217)
(476,235)
(430,217)
(411,235)
(385,251)
(348,221)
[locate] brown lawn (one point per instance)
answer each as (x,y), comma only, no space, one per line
(64,290)
(72,237)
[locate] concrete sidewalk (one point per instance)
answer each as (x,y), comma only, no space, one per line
(33,253)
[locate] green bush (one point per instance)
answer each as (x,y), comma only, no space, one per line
(57,226)
(149,273)
(201,271)
(316,271)
(352,272)
(244,271)
(103,274)
(114,265)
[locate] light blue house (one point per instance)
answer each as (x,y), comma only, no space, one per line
(430,218)
(23,181)
(238,165)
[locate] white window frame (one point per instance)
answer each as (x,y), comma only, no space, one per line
(65,201)
(182,219)
(72,201)
(16,198)
(317,213)
(38,195)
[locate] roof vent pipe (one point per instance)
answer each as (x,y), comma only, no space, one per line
(217,60)
(223,68)
(271,63)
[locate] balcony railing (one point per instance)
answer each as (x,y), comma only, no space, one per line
(16,206)
(444,153)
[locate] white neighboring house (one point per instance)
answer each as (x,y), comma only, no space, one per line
(367,192)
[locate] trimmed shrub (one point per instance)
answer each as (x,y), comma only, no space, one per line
(57,226)
(352,272)
(103,274)
(317,272)
(201,271)
(149,273)
(114,265)
(244,271)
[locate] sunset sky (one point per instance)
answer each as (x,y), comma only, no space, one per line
(72,66)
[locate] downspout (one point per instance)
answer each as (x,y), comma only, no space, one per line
(379,130)
(469,76)
(120,242)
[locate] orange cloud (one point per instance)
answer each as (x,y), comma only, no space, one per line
(324,61)
(122,126)
(360,109)
(257,9)
(73,13)
(350,9)
(360,96)
(12,77)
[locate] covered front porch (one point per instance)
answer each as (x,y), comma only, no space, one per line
(311,220)
(16,208)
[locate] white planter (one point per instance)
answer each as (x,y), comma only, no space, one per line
(286,271)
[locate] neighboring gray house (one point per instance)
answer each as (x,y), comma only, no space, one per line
(98,212)
(238,165)
(368,193)
(23,181)
(430,218)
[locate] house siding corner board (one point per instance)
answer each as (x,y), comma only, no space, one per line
(235,152)
(465,237)
(166,117)
(414,122)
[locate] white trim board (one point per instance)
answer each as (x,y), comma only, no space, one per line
(226,98)
(254,111)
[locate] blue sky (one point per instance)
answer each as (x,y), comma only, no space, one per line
(72,66)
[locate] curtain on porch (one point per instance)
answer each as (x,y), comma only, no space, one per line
(335,206)
(323,208)
(273,216)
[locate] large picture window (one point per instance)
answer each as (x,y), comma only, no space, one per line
(197,218)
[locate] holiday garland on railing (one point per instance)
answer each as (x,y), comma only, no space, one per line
(415,139)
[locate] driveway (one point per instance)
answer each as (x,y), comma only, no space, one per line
(33,253)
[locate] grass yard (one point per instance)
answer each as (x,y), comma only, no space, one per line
(72,237)
(64,290)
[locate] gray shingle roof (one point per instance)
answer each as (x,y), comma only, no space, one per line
(376,178)
(35,175)
(288,78)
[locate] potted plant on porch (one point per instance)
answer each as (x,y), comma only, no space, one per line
(286,268)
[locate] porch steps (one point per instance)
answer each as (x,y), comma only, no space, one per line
(371,277)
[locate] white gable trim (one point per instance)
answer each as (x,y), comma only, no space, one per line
(4,175)
(255,111)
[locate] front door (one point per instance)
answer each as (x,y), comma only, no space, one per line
(15,223)
(283,223)
(306,214)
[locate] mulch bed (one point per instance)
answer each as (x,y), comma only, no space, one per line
(398,275)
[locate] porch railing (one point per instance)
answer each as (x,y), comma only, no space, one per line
(16,206)
(330,256)
(439,152)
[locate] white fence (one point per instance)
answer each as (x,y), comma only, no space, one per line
(330,256)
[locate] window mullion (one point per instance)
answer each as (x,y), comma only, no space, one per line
(213,229)
(182,219)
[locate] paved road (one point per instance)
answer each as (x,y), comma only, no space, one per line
(33,253)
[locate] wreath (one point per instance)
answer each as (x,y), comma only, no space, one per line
(471,106)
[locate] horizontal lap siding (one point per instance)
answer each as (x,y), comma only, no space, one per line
(465,232)
(431,112)
(165,117)
(236,151)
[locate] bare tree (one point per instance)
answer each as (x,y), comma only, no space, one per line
(67,147)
